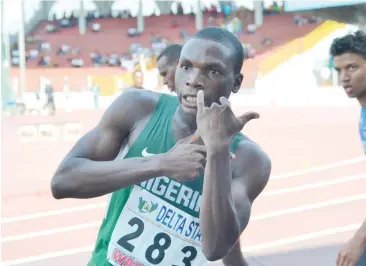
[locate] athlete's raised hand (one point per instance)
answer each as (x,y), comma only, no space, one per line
(217,124)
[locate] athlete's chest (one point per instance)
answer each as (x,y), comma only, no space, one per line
(159,224)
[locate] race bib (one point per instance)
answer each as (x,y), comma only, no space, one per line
(150,231)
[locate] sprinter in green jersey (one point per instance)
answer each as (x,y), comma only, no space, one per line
(176,196)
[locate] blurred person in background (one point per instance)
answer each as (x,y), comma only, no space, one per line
(349,55)
(167,64)
(95,89)
(138,79)
(50,107)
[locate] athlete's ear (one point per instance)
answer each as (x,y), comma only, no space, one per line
(237,82)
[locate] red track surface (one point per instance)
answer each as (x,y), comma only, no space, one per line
(284,223)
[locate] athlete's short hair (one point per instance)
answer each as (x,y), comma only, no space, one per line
(227,39)
(172,53)
(351,43)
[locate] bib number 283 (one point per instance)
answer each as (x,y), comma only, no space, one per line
(155,252)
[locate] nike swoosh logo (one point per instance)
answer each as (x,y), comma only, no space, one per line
(146,154)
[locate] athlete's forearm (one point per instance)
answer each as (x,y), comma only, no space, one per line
(218,221)
(83,178)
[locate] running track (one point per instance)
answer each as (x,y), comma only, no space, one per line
(314,201)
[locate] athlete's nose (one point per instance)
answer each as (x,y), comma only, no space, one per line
(194,80)
(344,77)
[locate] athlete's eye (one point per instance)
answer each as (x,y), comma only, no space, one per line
(352,68)
(184,67)
(214,72)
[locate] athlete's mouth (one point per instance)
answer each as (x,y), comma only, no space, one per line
(190,99)
(348,89)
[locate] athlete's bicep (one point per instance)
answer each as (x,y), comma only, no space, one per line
(103,142)
(100,144)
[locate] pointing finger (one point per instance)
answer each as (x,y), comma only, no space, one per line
(190,139)
(200,102)
(224,101)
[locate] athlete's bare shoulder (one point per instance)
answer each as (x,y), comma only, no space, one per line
(147,99)
(131,106)
(251,147)
(252,166)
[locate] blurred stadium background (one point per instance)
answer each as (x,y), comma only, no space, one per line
(83,53)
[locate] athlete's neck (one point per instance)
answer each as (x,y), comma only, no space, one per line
(184,124)
(362,100)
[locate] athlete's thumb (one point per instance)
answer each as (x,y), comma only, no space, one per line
(245,118)
(190,139)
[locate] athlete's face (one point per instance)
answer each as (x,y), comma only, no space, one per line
(351,69)
(205,65)
(167,71)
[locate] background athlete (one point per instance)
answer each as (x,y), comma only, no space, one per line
(208,214)
(167,64)
(138,80)
(349,55)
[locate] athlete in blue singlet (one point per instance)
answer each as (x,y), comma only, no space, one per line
(363,127)
(349,55)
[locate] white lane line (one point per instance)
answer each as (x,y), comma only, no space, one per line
(300,238)
(326,183)
(50,255)
(258,217)
(52,213)
(308,207)
(50,231)
(320,168)
(259,247)
(102,205)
